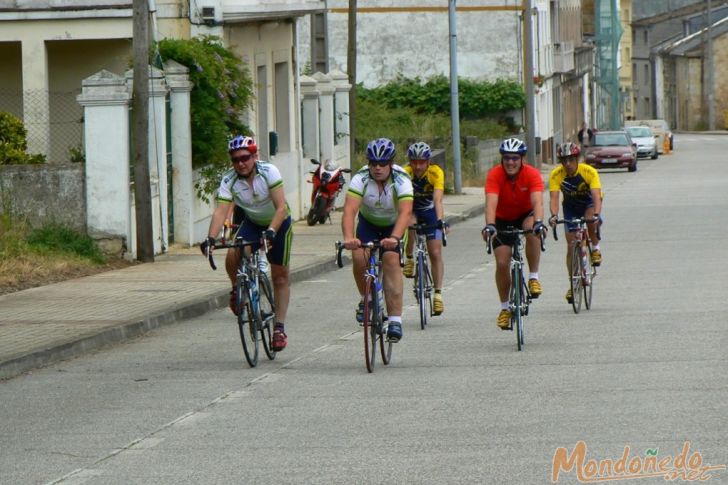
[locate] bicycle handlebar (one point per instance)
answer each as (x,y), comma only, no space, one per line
(516,232)
(238,243)
(375,244)
(578,221)
(421,228)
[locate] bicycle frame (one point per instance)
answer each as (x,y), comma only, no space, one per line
(252,287)
(375,327)
(519,297)
(581,271)
(423,285)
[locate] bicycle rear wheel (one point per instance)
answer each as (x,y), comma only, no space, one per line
(516,304)
(371,315)
(247,323)
(267,314)
(576,281)
(420,282)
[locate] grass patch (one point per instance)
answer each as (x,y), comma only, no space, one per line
(54,238)
(35,257)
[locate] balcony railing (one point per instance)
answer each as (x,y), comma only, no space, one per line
(563,56)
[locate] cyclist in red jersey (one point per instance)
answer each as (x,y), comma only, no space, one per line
(513,197)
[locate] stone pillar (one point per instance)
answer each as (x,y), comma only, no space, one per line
(183,193)
(341,116)
(36,114)
(310,118)
(326,121)
(157,155)
(105,100)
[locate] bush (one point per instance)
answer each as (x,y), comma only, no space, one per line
(14,144)
(477,99)
(222,91)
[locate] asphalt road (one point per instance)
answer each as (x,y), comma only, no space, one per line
(645,368)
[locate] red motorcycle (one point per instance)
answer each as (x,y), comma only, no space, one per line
(328,180)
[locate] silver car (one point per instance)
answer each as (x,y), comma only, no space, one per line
(645,139)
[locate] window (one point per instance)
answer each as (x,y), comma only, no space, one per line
(282,123)
(634,72)
(647,73)
(646,41)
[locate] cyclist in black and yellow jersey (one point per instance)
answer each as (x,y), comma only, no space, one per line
(428,181)
(582,191)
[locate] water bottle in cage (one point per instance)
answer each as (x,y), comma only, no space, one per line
(263,264)
(380,294)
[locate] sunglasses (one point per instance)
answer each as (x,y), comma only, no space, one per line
(566,160)
(379,163)
(241,158)
(511,158)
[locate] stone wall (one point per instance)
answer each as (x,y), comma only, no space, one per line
(45,193)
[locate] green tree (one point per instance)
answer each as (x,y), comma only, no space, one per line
(222,91)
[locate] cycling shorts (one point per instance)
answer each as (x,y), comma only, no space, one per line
(367,232)
(574,213)
(502,225)
(429,217)
(280,253)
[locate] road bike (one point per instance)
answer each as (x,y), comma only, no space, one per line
(254,299)
(375,323)
(423,286)
(581,271)
(519,298)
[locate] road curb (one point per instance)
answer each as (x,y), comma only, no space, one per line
(127,331)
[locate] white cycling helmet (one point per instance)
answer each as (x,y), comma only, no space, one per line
(242,142)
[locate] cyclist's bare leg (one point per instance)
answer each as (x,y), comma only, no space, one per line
(232,261)
(533,246)
(591,227)
(393,283)
(533,252)
(281,290)
(434,247)
(503,271)
(359,265)
(570,236)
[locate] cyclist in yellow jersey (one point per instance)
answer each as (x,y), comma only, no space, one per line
(428,181)
(582,191)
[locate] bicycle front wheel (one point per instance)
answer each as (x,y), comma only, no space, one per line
(247,322)
(576,281)
(267,315)
(371,315)
(588,279)
(421,281)
(517,298)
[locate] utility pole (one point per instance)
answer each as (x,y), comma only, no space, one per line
(709,67)
(454,100)
(140,134)
(351,69)
(528,83)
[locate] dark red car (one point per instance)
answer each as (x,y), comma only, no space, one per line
(612,149)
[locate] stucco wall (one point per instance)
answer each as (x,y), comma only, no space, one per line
(45,193)
(414,43)
(720,74)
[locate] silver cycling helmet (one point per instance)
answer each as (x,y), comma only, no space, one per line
(419,151)
(242,142)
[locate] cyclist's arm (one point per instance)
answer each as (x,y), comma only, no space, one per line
(537,203)
(403,218)
(437,197)
(597,198)
(278,197)
(351,207)
(218,218)
(491,204)
(554,202)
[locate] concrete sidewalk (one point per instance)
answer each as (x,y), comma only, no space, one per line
(44,325)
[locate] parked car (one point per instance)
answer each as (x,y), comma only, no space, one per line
(645,139)
(660,128)
(612,149)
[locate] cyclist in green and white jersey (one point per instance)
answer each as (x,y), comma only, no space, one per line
(381,194)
